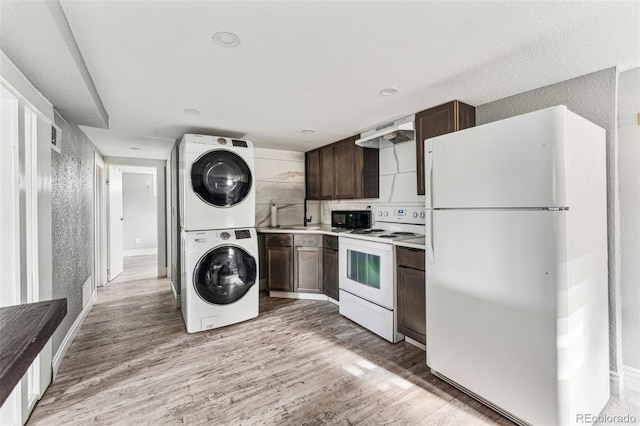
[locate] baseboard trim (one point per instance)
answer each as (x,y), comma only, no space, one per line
(415,343)
(292,295)
(139,252)
(71,335)
(615,383)
(631,379)
(334,301)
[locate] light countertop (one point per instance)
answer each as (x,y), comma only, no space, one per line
(418,243)
(322,228)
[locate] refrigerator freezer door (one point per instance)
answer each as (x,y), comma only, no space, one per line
(491,306)
(518,162)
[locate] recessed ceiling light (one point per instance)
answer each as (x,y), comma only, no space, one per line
(308,131)
(191,111)
(389,91)
(135,148)
(226,39)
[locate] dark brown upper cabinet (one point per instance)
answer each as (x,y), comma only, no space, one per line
(346,171)
(436,121)
(313,174)
(326,172)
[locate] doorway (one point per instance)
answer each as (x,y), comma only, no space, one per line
(100,228)
(136,245)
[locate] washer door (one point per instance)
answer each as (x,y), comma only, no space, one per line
(221,178)
(224,274)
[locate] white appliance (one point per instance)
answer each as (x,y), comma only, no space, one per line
(219,282)
(217,188)
(516,274)
(388,134)
(367,278)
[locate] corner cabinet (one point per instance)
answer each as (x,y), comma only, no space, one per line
(307,263)
(279,257)
(412,318)
(294,262)
(342,170)
(436,121)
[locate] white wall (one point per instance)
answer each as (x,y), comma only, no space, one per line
(629,166)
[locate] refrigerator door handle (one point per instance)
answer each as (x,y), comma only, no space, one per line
(429,240)
(428,171)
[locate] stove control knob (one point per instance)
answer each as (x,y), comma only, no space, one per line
(415,215)
(386,214)
(380,213)
(422,215)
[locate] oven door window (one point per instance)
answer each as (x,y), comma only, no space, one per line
(363,268)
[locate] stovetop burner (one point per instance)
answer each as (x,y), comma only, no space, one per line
(361,231)
(388,236)
(403,233)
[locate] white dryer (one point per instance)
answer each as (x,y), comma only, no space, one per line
(219,284)
(217,188)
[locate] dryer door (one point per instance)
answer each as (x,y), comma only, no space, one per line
(221,178)
(224,274)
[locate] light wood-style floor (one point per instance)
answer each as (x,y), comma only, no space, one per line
(138,268)
(300,362)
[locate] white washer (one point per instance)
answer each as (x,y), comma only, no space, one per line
(219,284)
(217,184)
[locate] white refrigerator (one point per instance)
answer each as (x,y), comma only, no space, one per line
(516,269)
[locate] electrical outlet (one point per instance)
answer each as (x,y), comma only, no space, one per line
(137,240)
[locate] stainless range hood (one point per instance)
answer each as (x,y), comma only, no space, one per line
(388,134)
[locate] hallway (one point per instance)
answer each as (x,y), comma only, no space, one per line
(138,268)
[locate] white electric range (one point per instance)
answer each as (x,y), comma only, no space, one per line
(367,278)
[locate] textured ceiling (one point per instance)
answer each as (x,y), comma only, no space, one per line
(36,37)
(321,65)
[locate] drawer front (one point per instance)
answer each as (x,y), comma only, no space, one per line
(307,240)
(279,240)
(330,242)
(410,257)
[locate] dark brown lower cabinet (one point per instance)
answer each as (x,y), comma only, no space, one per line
(330,267)
(307,263)
(308,269)
(411,293)
(279,259)
(294,262)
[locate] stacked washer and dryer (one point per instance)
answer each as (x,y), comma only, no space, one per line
(219,245)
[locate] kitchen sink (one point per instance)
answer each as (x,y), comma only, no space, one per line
(300,227)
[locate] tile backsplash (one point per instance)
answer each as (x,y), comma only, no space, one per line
(280,178)
(397,183)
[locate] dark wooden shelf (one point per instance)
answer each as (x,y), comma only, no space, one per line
(24,330)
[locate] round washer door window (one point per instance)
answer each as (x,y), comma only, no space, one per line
(224,274)
(221,178)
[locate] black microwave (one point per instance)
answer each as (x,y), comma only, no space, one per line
(351,219)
